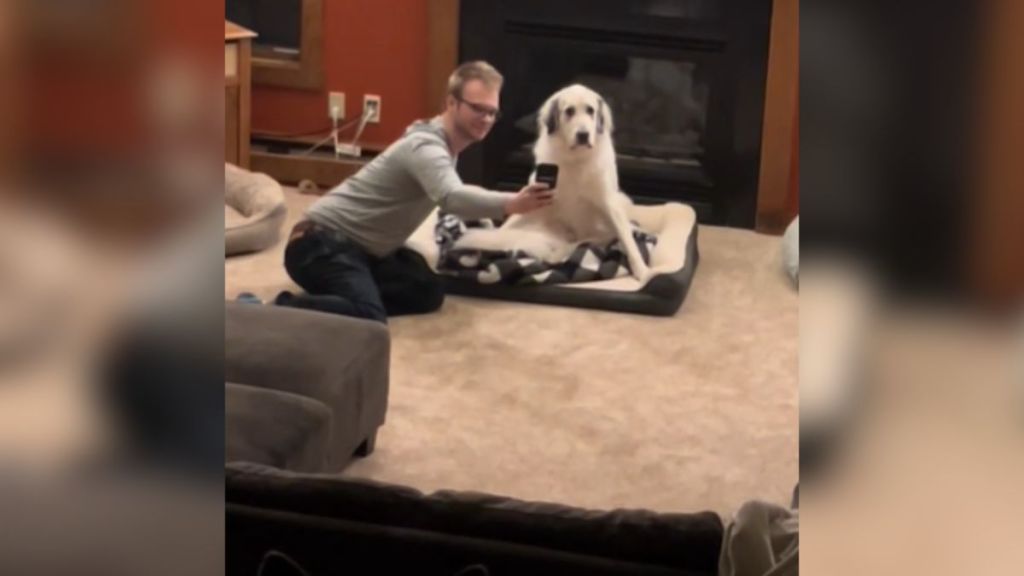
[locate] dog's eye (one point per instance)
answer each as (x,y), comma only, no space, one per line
(570,111)
(590,110)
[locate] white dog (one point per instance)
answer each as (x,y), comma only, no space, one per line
(575,127)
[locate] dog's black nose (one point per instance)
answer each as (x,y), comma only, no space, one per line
(583,137)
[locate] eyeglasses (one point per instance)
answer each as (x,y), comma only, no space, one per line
(481,109)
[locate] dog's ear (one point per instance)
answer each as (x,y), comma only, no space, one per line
(551,114)
(602,121)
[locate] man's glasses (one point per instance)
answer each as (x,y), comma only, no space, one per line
(481,109)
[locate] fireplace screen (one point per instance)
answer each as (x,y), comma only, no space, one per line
(684,80)
(660,109)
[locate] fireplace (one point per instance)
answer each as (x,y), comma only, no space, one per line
(685,80)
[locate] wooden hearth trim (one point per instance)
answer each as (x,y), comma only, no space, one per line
(996,237)
(780,137)
(443,49)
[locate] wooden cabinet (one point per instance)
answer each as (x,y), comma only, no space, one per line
(237,93)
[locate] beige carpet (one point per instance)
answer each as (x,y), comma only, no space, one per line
(597,409)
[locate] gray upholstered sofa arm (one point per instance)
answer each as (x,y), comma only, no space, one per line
(339,361)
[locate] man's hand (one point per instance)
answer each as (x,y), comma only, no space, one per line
(529,198)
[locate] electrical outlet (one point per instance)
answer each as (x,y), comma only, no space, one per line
(371,103)
(336,101)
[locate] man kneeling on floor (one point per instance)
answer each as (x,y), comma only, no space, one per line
(347,253)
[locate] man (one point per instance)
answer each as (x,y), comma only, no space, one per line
(348,254)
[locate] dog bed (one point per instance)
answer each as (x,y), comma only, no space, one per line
(254,211)
(673,262)
(587,263)
(791,250)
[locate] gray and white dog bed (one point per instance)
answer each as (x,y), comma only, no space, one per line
(587,263)
(595,277)
(254,211)
(791,250)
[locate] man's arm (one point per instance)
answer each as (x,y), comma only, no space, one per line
(431,165)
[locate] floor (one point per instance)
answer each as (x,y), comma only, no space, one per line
(694,412)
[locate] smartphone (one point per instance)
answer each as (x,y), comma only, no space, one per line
(548,174)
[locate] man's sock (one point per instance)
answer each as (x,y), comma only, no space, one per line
(284,298)
(248,298)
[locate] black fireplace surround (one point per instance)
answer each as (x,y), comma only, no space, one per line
(685,80)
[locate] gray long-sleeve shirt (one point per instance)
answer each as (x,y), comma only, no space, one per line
(382,204)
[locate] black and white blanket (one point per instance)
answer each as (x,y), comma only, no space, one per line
(587,263)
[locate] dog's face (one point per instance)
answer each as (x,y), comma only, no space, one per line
(577,117)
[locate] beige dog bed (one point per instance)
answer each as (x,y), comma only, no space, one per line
(254,211)
(673,262)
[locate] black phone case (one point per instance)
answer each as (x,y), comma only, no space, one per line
(548,174)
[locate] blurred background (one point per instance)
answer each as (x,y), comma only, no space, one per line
(912,336)
(111,398)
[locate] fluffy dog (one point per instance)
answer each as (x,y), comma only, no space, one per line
(575,128)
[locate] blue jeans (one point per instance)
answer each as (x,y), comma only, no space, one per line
(341,277)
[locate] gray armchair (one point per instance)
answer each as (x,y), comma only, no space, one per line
(304,390)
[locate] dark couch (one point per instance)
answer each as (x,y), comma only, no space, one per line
(334,526)
(305,391)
